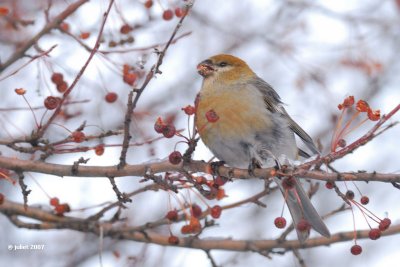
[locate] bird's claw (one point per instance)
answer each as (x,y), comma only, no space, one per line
(215,166)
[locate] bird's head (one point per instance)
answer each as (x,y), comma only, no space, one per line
(225,68)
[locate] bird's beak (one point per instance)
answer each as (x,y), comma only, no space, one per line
(205,68)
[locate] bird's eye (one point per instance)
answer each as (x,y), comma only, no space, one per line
(223,64)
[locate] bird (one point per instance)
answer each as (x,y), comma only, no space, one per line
(252,129)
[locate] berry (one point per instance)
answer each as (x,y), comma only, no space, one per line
(168,131)
(349,194)
(148,4)
(159,125)
(84,35)
(288,183)
(64,26)
(356,250)
(168,14)
(1,198)
(384,224)
(78,136)
(62,208)
(186,229)
(303,225)
(4,11)
(62,87)
(280,222)
(111,97)
(52,102)
(99,149)
(173,240)
(20,91)
(196,211)
(175,157)
(54,201)
(189,110)
(130,78)
(172,215)
(125,29)
(216,211)
(57,78)
(329,185)
(179,12)
(220,194)
(211,116)
(341,143)
(362,106)
(364,200)
(374,234)
(195,225)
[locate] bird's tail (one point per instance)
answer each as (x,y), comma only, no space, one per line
(300,207)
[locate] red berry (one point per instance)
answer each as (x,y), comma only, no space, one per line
(211,116)
(364,200)
(159,125)
(189,110)
(349,194)
(173,240)
(84,35)
(64,26)
(168,14)
(384,224)
(148,4)
(57,78)
(78,136)
(196,211)
(168,131)
(280,222)
(130,78)
(62,208)
(1,198)
(356,250)
(175,157)
(111,97)
(329,185)
(179,12)
(288,183)
(374,234)
(62,87)
(303,225)
(341,143)
(52,102)
(54,201)
(125,29)
(20,91)
(4,11)
(172,215)
(186,229)
(216,211)
(99,150)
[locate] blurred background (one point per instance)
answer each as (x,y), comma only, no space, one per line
(314,53)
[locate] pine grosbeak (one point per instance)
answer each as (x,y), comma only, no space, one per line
(253,128)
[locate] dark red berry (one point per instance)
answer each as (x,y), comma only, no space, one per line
(356,250)
(78,136)
(125,29)
(62,87)
(220,180)
(111,97)
(196,211)
(216,211)
(168,130)
(168,14)
(57,78)
(175,157)
(341,143)
(303,225)
(186,229)
(159,125)
(179,12)
(329,185)
(148,3)
(280,222)
(384,224)
(374,234)
(62,208)
(99,149)
(172,215)
(1,198)
(130,78)
(364,200)
(52,102)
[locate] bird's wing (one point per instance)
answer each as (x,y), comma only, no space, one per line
(274,104)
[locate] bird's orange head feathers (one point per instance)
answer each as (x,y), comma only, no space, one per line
(225,68)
